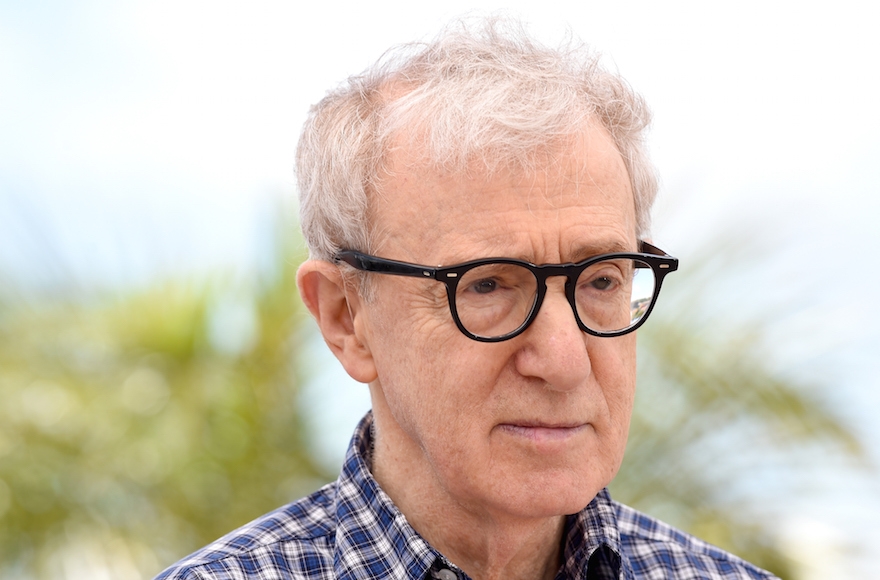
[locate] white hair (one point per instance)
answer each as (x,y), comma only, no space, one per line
(487,94)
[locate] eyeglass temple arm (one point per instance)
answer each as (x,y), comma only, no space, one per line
(672,263)
(646,248)
(373,264)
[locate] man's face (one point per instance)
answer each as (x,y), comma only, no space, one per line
(534,426)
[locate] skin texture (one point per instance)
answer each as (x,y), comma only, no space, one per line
(485,447)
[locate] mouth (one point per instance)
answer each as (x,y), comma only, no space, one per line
(543,432)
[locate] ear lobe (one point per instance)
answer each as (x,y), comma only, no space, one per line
(336,310)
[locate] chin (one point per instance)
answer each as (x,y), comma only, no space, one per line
(555,496)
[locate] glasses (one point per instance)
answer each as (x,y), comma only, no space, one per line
(498,298)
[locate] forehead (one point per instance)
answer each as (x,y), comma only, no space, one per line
(576,196)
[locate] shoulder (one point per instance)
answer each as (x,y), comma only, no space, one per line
(286,543)
(652,546)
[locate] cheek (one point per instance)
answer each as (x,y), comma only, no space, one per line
(412,312)
(614,365)
(414,346)
(614,361)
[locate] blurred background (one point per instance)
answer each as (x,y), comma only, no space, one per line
(160,384)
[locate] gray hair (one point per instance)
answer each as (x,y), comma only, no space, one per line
(486,94)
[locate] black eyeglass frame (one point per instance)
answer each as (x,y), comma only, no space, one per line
(659,261)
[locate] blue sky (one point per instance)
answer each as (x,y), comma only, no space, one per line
(169,122)
(141,139)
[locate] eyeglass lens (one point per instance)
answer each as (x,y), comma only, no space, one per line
(493,300)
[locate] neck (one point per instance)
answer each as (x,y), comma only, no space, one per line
(485,544)
(492,550)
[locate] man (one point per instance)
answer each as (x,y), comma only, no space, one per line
(476,211)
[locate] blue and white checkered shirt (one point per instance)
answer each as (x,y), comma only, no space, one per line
(350,529)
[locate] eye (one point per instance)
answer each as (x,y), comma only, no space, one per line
(484,286)
(603,283)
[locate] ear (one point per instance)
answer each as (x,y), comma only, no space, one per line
(340,316)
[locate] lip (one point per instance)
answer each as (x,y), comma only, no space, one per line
(542,432)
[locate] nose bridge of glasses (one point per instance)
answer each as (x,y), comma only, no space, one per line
(565,278)
(568,274)
(547,271)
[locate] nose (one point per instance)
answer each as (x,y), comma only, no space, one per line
(554,348)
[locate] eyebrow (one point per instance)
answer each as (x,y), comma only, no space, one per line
(582,252)
(577,253)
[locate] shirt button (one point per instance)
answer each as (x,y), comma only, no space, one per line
(446,574)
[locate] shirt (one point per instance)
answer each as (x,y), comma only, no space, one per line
(350,529)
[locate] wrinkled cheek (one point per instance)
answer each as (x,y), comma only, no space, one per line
(412,401)
(620,389)
(614,367)
(620,447)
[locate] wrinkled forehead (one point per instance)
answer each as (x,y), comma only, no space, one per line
(417,194)
(586,155)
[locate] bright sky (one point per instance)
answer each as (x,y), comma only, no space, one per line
(169,121)
(145,137)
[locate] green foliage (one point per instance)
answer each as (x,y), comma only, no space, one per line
(712,411)
(136,430)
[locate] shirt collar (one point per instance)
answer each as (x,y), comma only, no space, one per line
(594,532)
(373,538)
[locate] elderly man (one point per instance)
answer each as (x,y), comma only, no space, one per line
(476,211)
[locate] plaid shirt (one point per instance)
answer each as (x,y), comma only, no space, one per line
(350,529)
